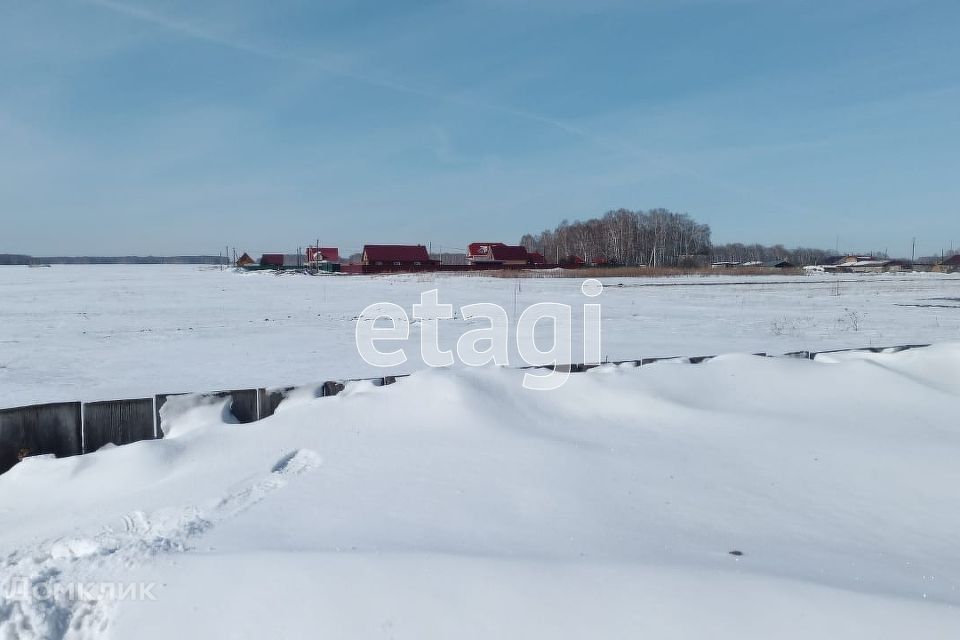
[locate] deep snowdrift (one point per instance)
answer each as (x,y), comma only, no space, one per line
(458,504)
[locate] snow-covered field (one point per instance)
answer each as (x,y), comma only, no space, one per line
(460,504)
(107,332)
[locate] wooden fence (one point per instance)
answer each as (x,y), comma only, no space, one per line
(73,428)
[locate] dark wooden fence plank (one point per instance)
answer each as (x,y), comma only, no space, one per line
(39,429)
(117,421)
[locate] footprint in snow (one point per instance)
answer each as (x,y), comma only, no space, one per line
(113,550)
(297,462)
(293,464)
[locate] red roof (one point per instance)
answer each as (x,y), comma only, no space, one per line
(507,252)
(535,257)
(953,261)
(479,248)
(330,254)
(396,253)
(497,251)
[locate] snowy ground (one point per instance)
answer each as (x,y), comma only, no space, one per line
(459,504)
(106,332)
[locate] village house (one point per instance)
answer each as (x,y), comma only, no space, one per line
(396,257)
(245,260)
(317,255)
(497,253)
(281,260)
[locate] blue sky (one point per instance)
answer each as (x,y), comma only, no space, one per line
(180,127)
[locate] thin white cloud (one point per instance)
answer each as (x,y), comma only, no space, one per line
(199,33)
(335,65)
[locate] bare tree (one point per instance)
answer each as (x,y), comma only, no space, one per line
(655,238)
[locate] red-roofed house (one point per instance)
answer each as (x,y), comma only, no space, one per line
(323,254)
(271,260)
(281,260)
(497,253)
(397,257)
(245,260)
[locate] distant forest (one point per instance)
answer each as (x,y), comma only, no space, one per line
(655,238)
(11,258)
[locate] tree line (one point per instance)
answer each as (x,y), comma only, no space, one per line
(653,238)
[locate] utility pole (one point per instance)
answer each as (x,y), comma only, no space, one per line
(913,251)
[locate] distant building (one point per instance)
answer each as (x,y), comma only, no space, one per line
(851,260)
(778,264)
(245,260)
(865,264)
(898,265)
(281,260)
(497,253)
(322,254)
(396,257)
(861,264)
(272,260)
(948,265)
(572,262)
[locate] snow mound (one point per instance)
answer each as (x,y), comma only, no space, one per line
(457,503)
